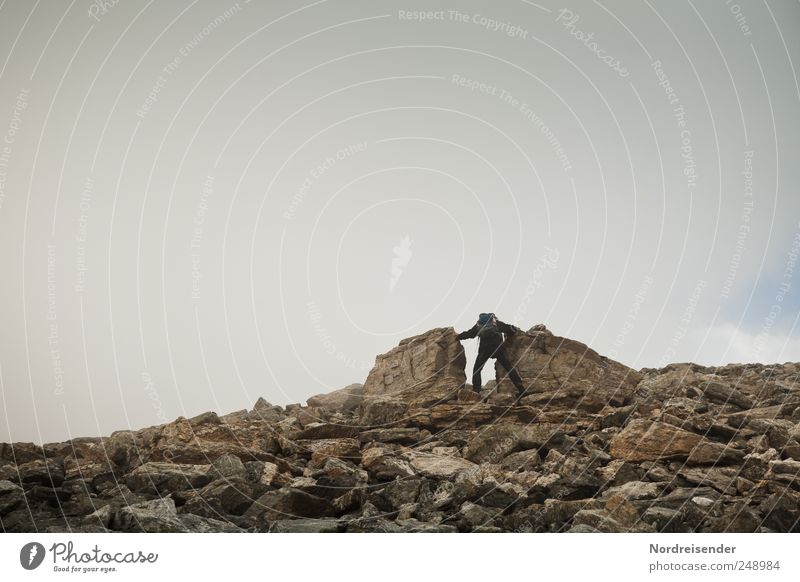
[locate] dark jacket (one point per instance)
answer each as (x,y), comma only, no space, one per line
(492,341)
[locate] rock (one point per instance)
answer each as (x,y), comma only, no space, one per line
(289,503)
(493,443)
(163,478)
(384,464)
(228,466)
(156,516)
(438,466)
(345,400)
(568,373)
(717,392)
(231,496)
(404,436)
(323,449)
(205,418)
(43,472)
(307,525)
(422,370)
(324,430)
(263,410)
(522,461)
(646,440)
(11,497)
(383,411)
(196,524)
(635,490)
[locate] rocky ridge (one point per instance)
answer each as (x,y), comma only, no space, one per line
(595,446)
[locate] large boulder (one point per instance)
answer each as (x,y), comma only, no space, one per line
(345,400)
(648,440)
(565,373)
(422,370)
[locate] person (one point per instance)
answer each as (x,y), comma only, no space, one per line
(490,332)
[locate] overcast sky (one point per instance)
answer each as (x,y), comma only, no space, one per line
(205,202)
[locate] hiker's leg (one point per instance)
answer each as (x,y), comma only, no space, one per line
(502,357)
(480,360)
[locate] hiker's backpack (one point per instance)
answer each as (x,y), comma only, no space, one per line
(486,326)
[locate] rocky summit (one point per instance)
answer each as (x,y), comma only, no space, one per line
(593,446)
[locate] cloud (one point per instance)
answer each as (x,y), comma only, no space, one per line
(726,343)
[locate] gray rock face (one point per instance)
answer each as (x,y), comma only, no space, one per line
(592,447)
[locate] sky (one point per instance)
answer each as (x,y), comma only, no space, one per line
(203,203)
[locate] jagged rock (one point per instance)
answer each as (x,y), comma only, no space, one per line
(438,466)
(228,466)
(717,392)
(422,370)
(224,496)
(635,490)
(307,525)
(156,516)
(163,478)
(384,464)
(11,497)
(323,449)
(289,503)
(567,373)
(345,400)
(646,440)
(400,435)
(325,430)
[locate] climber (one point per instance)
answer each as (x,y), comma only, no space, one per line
(490,332)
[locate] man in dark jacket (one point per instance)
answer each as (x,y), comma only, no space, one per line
(490,331)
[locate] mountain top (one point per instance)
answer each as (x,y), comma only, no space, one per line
(593,446)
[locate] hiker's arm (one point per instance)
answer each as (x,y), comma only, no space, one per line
(507,329)
(469,334)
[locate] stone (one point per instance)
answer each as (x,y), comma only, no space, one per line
(721,393)
(402,435)
(156,516)
(647,440)
(567,373)
(422,370)
(289,503)
(228,466)
(346,399)
(163,478)
(493,443)
(635,490)
(228,496)
(438,466)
